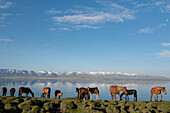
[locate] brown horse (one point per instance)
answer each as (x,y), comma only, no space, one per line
(47,91)
(94,91)
(26,90)
(12,91)
(56,93)
(4,90)
(59,95)
(130,92)
(82,89)
(157,90)
(115,90)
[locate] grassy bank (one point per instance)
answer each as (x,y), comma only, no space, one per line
(71,105)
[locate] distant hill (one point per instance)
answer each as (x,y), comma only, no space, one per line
(99,75)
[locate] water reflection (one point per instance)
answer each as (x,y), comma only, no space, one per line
(68,86)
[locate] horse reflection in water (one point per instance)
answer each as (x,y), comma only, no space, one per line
(115,90)
(130,92)
(26,90)
(157,90)
(47,91)
(4,90)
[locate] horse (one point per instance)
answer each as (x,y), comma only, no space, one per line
(94,91)
(115,90)
(130,92)
(56,93)
(82,95)
(4,90)
(157,90)
(26,90)
(85,90)
(12,91)
(47,91)
(59,95)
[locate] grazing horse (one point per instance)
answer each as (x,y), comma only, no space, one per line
(115,90)
(85,90)
(26,90)
(56,93)
(47,91)
(12,91)
(130,92)
(59,95)
(82,95)
(157,90)
(94,91)
(4,90)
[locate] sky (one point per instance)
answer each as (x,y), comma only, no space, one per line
(131,36)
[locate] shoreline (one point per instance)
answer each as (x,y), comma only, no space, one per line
(83,79)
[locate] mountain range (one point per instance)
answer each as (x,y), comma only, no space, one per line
(97,75)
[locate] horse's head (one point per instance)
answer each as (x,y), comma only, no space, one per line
(32,94)
(124,90)
(164,90)
(42,95)
(77,89)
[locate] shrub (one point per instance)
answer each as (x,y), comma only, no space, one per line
(66,105)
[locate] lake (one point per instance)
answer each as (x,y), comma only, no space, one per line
(68,87)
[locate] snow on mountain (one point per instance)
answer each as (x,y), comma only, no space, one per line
(101,75)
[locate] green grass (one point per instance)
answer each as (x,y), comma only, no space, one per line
(71,105)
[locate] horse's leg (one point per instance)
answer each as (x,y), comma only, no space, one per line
(26,94)
(157,97)
(111,96)
(119,97)
(90,96)
(161,97)
(151,97)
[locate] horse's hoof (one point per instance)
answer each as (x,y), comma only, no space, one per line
(160,100)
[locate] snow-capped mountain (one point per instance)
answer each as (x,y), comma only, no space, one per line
(99,75)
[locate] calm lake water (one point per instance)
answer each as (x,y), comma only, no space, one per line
(68,87)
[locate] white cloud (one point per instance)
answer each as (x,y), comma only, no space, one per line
(93,18)
(146,30)
(5,40)
(4,15)
(53,11)
(85,17)
(164,53)
(161,25)
(5,5)
(85,26)
(165,44)
(65,29)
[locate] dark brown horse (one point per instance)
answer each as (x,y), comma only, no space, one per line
(26,90)
(12,91)
(56,93)
(157,90)
(94,91)
(47,91)
(82,89)
(4,90)
(115,90)
(130,92)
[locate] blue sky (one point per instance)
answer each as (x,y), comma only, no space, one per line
(86,35)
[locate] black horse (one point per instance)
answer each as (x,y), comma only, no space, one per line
(130,92)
